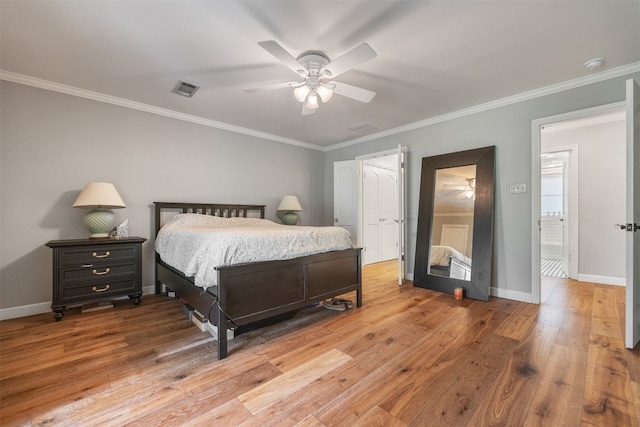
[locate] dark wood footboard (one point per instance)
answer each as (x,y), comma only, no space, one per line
(249,293)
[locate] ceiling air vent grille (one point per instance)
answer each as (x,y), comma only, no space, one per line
(185,89)
(362,128)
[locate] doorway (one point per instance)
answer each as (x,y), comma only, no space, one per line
(379,210)
(558,223)
(369,201)
(588,250)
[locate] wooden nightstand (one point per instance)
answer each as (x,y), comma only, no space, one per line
(90,270)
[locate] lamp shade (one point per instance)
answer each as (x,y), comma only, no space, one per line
(101,197)
(101,194)
(289,203)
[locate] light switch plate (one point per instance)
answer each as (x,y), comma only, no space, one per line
(517,188)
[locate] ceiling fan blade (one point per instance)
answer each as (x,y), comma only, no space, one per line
(270,87)
(306,111)
(353,92)
(349,60)
(279,52)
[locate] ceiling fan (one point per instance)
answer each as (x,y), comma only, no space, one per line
(316,72)
(460,191)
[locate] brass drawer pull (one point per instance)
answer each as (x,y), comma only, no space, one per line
(102,273)
(106,288)
(106,254)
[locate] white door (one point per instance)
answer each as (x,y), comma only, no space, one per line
(379,193)
(565,218)
(344,196)
(388,215)
(632,335)
(371,214)
(401,212)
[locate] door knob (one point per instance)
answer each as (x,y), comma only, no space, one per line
(335,219)
(629,227)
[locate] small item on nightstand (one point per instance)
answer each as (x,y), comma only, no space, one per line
(457,293)
(121,231)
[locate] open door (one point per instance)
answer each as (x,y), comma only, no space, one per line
(632,333)
(402,229)
(345,196)
(565,218)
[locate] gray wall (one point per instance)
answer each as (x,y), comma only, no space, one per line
(509,129)
(53,144)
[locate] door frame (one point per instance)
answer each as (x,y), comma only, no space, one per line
(536,143)
(401,172)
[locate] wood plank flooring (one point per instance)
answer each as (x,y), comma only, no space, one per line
(407,357)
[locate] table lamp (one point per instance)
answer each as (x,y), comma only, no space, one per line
(289,204)
(102,197)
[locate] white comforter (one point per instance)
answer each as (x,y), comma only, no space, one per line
(440,255)
(196,244)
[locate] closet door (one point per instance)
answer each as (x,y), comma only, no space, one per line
(388,215)
(371,214)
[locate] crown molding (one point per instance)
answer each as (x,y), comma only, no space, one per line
(126,103)
(525,96)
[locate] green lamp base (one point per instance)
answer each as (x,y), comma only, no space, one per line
(99,222)
(289,218)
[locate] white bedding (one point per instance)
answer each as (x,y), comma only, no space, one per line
(440,255)
(196,244)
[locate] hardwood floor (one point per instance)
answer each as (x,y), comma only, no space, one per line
(409,356)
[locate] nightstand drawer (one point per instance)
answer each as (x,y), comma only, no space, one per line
(97,254)
(93,272)
(71,294)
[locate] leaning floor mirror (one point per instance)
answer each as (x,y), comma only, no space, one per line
(455,223)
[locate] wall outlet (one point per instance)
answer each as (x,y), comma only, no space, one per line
(517,188)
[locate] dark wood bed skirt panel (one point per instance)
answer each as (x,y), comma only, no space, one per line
(252,291)
(328,276)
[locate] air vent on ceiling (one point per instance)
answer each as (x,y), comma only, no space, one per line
(363,128)
(185,89)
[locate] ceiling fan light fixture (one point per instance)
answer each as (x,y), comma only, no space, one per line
(301,92)
(312,101)
(325,93)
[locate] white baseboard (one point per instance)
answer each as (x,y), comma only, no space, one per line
(604,280)
(509,294)
(25,310)
(45,307)
(498,292)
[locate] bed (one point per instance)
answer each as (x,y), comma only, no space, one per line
(448,262)
(243,294)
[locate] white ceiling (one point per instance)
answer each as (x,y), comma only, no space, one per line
(433,57)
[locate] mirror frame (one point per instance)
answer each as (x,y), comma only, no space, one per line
(482,250)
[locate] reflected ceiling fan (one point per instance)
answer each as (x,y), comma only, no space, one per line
(463,191)
(316,72)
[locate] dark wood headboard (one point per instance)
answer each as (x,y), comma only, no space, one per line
(215,209)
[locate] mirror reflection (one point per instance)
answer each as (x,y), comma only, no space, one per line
(452,223)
